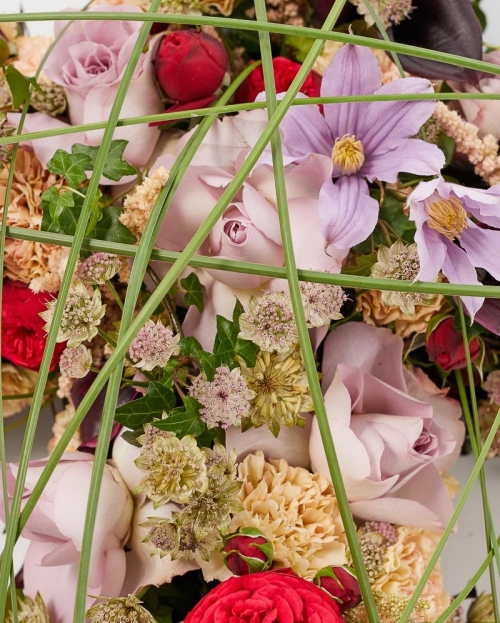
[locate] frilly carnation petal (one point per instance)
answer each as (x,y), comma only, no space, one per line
(347,213)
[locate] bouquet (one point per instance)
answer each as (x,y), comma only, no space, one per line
(252,248)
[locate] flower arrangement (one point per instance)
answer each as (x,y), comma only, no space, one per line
(252,248)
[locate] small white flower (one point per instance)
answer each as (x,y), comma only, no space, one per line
(76,362)
(153,346)
(99,268)
(322,303)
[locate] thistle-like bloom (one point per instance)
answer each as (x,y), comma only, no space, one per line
(30,611)
(153,346)
(389,11)
(175,469)
(492,386)
(270,322)
(81,317)
(118,610)
(363,140)
(99,268)
(322,303)
(282,392)
(76,362)
(400,261)
(225,400)
(373,538)
(449,240)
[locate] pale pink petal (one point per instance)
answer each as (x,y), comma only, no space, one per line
(354,70)
(292,443)
(347,213)
(381,354)
(481,246)
(124,455)
(458,269)
(304,131)
(431,252)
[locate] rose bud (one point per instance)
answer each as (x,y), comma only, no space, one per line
(285,71)
(247,551)
(445,346)
(190,65)
(342,584)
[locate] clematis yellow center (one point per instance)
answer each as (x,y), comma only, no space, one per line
(448,217)
(348,154)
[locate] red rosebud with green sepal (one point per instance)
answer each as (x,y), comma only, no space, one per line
(247,550)
(342,584)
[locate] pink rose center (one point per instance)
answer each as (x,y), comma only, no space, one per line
(236,231)
(98,64)
(427,444)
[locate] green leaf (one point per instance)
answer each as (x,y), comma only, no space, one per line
(190,347)
(362,267)
(71,166)
(110,228)
(116,167)
(183,421)
(4,51)
(447,146)
(228,346)
(209,363)
(155,402)
(19,85)
(195,291)
(130,436)
(54,202)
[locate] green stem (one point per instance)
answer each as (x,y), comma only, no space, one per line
(115,294)
(383,32)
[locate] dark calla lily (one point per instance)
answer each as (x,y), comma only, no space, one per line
(443,26)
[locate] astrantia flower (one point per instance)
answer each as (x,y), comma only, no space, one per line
(322,303)
(364,140)
(400,261)
(120,609)
(76,362)
(389,11)
(270,322)
(374,538)
(449,240)
(492,386)
(282,392)
(175,468)
(153,346)
(81,317)
(99,268)
(225,399)
(30,611)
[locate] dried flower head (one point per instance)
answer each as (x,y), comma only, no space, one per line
(281,391)
(389,11)
(16,380)
(52,101)
(175,469)
(99,268)
(30,611)
(76,362)
(374,537)
(400,261)
(119,610)
(225,400)
(492,386)
(270,322)
(153,346)
(140,201)
(296,510)
(81,316)
(487,413)
(482,609)
(322,303)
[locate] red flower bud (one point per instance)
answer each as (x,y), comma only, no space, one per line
(445,346)
(285,71)
(342,584)
(247,551)
(190,65)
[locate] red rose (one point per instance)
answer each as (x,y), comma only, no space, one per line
(284,73)
(342,584)
(445,347)
(267,596)
(23,336)
(190,65)
(247,551)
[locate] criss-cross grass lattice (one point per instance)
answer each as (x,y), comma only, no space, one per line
(144,252)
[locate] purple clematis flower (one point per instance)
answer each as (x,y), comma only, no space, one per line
(363,140)
(449,240)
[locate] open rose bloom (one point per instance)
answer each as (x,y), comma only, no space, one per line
(258,292)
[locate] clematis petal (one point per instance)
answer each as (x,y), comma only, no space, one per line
(442,26)
(481,246)
(458,269)
(347,213)
(354,70)
(431,252)
(489,315)
(409,156)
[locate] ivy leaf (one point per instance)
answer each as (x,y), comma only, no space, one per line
(190,347)
(19,85)
(116,167)
(183,421)
(195,291)
(362,267)
(228,346)
(4,51)
(138,412)
(54,202)
(71,166)
(111,229)
(209,363)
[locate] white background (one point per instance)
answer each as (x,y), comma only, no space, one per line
(465,550)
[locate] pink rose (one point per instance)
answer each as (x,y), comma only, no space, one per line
(393,431)
(55,530)
(89,62)
(485,114)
